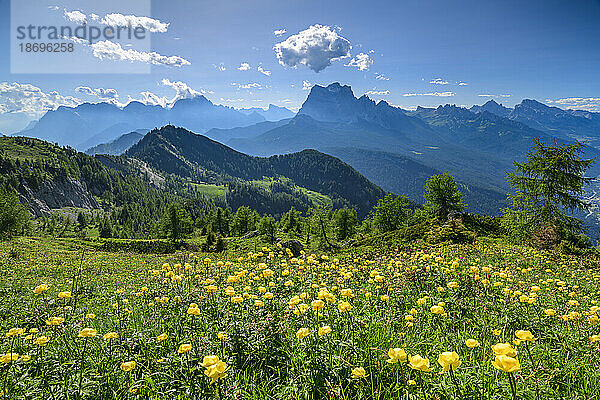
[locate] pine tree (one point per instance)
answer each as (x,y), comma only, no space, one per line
(550,184)
(443,197)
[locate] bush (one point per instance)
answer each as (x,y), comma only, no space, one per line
(452,231)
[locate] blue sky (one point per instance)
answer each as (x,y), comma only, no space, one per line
(413,53)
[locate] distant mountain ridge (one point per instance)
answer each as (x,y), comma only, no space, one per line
(564,124)
(119,145)
(90,124)
(272,113)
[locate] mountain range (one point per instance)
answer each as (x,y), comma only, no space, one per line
(394,148)
(90,124)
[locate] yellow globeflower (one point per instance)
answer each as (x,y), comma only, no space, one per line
(525,336)
(302,333)
(359,372)
(55,321)
(8,357)
(419,363)
(110,335)
(161,337)
(15,332)
(41,288)
(64,295)
(90,316)
(324,330)
(128,366)
(41,341)
(25,358)
(184,348)
(317,304)
(549,312)
(595,338)
(448,360)
(344,306)
(471,343)
(504,349)
(222,336)
(208,361)
(506,363)
(87,332)
(396,354)
(216,371)
(437,309)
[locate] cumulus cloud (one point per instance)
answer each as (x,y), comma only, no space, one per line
(378,92)
(221,67)
(116,19)
(107,50)
(578,103)
(306,85)
(75,16)
(462,83)
(250,86)
(263,71)
(279,32)
(244,67)
(101,93)
(182,91)
(381,77)
(437,94)
(31,100)
(315,47)
(151,24)
(438,81)
(361,61)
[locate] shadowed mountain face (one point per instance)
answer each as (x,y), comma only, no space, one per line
(88,125)
(181,152)
(119,145)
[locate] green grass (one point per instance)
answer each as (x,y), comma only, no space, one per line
(139,297)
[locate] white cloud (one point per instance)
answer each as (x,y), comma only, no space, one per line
(31,100)
(306,85)
(107,50)
(250,86)
(221,67)
(264,71)
(437,94)
(438,81)
(54,8)
(101,93)
(462,83)
(315,47)
(75,16)
(381,77)
(182,91)
(279,32)
(361,61)
(378,93)
(153,99)
(578,103)
(494,95)
(151,24)
(244,67)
